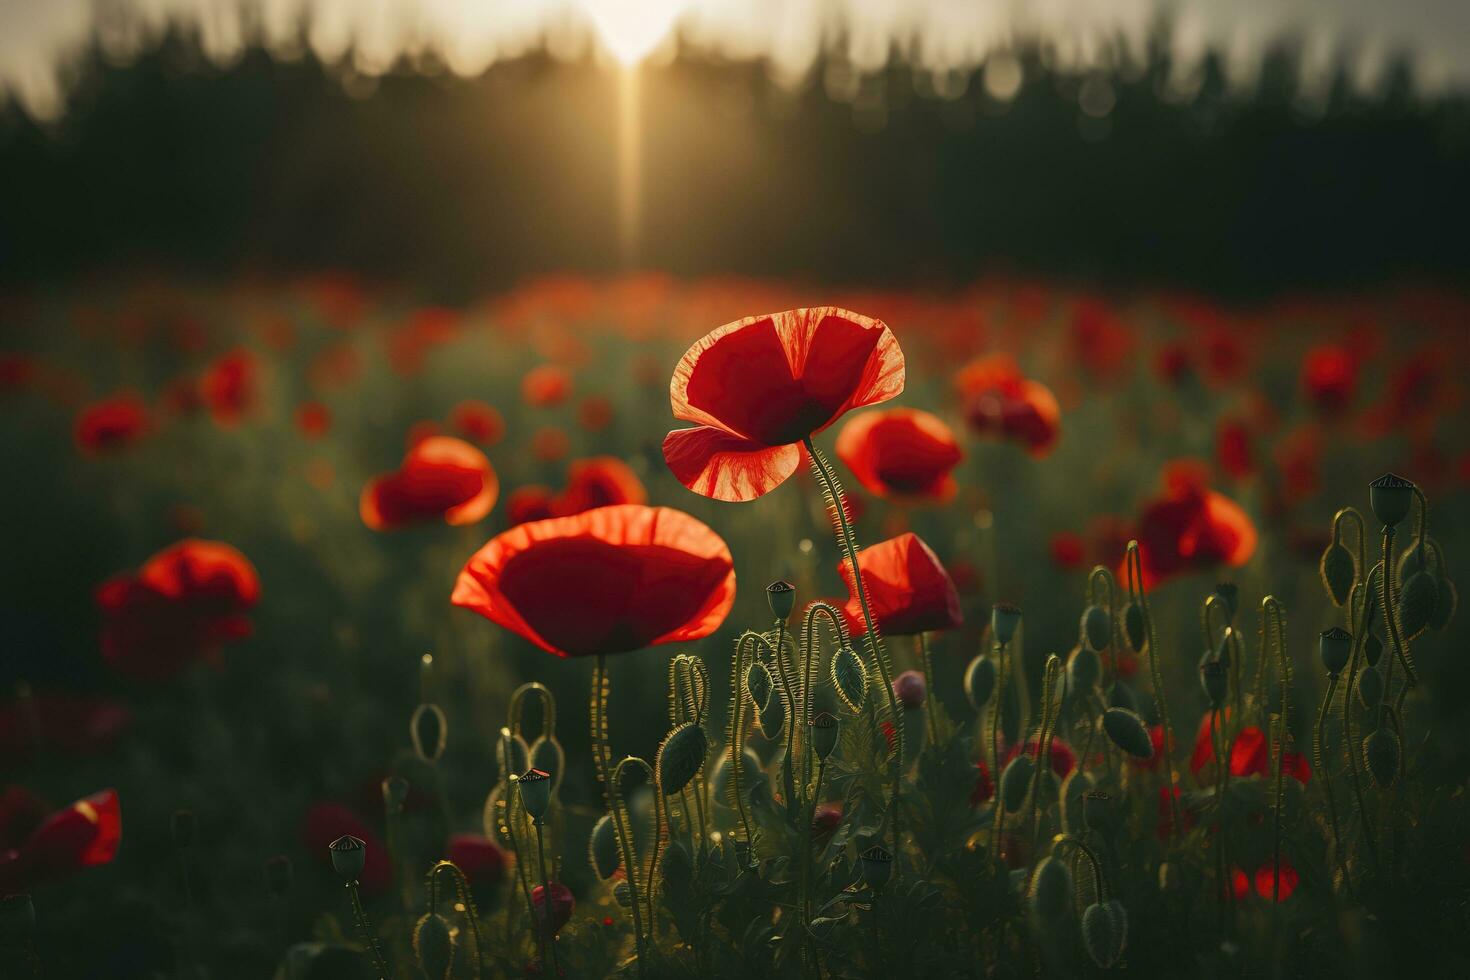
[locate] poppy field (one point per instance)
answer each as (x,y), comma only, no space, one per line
(654,627)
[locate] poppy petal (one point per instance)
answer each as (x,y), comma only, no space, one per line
(908,589)
(901,453)
(719,464)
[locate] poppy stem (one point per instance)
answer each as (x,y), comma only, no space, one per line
(365,926)
(1318,737)
(1274,619)
(927,661)
(622,823)
(1135,583)
(1350,745)
(544,927)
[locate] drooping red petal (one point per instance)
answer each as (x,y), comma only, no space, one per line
(718,464)
(908,589)
(604,581)
(900,452)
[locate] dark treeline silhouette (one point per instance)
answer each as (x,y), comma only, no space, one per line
(470,184)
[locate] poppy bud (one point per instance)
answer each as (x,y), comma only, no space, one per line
(1338,572)
(1417,602)
(1098,811)
(877,867)
(518,750)
(980,681)
(623,894)
(680,757)
(429,730)
(1444,608)
(1123,696)
(1051,889)
(758,685)
(773,717)
(1084,670)
(434,946)
(602,847)
(1215,680)
(850,678)
(1381,754)
(782,597)
(1229,595)
(1335,646)
(1128,732)
(17,920)
(547,755)
(1097,627)
(1014,782)
(183,827)
(535,788)
(1390,497)
(1074,787)
(1370,687)
(1105,932)
(278,875)
(824,734)
(1005,617)
(395,793)
(348,854)
(1134,626)
(910,690)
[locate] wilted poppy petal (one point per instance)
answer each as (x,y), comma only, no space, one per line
(604,581)
(908,589)
(718,464)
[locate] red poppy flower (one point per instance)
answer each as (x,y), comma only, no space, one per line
(546,385)
(480,858)
(229,387)
(441,479)
(313,419)
(179,607)
(1000,402)
(112,423)
(85,834)
(908,589)
(76,724)
(984,789)
(757,387)
(600,481)
(901,452)
(1330,377)
(1191,527)
(1233,449)
(1063,759)
(325,822)
(478,422)
(604,581)
(1266,876)
(1204,746)
(1100,340)
(1250,755)
(1067,550)
(529,503)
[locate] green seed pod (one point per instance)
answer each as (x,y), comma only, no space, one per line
(1338,572)
(535,789)
(877,865)
(429,730)
(17,921)
(677,868)
(782,597)
(680,757)
(1372,649)
(1051,889)
(1077,785)
(433,944)
(1015,781)
(1097,627)
(1128,732)
(1444,608)
(1134,626)
(1216,683)
(824,734)
(980,681)
(1084,670)
(278,875)
(183,827)
(1416,605)
(348,854)
(772,717)
(1335,646)
(1381,755)
(1099,811)
(602,847)
(1370,687)
(623,894)
(1390,497)
(1105,932)
(1005,618)
(548,756)
(758,685)
(1229,595)
(850,678)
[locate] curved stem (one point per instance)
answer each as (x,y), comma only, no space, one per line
(622,825)
(1318,737)
(1099,880)
(1135,577)
(803,898)
(1361,615)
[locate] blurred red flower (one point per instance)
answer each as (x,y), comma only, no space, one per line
(1152,763)
(546,385)
(112,423)
(313,419)
(1191,527)
(757,387)
(1173,363)
(529,503)
(599,481)
(179,607)
(901,453)
(1266,877)
(1067,550)
(1063,759)
(480,858)
(230,386)
(984,786)
(57,721)
(1330,377)
(1100,340)
(1249,753)
(1000,402)
(325,822)
(85,834)
(1233,449)
(1299,458)
(441,478)
(562,904)
(908,589)
(604,581)
(478,422)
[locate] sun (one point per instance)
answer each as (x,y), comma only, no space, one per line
(630,29)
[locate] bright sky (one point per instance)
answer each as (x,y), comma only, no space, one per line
(38,37)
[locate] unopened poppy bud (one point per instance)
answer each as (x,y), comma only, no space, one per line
(623,894)
(1444,606)
(535,787)
(1229,595)
(348,855)
(1390,497)
(1128,732)
(1381,754)
(17,920)
(758,685)
(429,731)
(1134,626)
(782,598)
(1338,572)
(395,793)
(1372,649)
(1015,781)
(1051,889)
(1417,602)
(278,875)
(1105,932)
(1098,811)
(1370,687)
(602,847)
(1005,618)
(1215,680)
(183,826)
(1084,670)
(434,946)
(877,867)
(980,681)
(1074,787)
(824,734)
(1097,627)
(1335,646)
(910,690)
